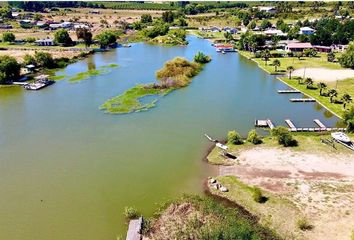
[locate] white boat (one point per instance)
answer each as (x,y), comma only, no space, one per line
(339,136)
(223,147)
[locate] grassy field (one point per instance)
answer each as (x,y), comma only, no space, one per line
(316,62)
(271,213)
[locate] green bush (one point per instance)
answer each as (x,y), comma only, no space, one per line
(349,119)
(131,213)
(258,196)
(284,136)
(253,137)
(201,58)
(234,137)
(8,37)
(303,224)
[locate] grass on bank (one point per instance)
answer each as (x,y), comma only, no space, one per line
(271,213)
(176,73)
(196,217)
(92,72)
(342,86)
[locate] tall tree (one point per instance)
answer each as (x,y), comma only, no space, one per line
(346,98)
(276,64)
(322,86)
(84,34)
(62,37)
(290,70)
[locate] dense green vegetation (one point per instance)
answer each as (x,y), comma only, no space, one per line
(284,136)
(234,137)
(9,69)
(347,58)
(61,37)
(209,219)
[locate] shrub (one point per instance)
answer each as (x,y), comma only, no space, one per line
(234,137)
(8,37)
(201,58)
(29,59)
(30,39)
(258,196)
(9,69)
(303,224)
(44,59)
(284,136)
(131,213)
(253,137)
(349,119)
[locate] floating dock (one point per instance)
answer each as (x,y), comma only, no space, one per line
(264,123)
(134,229)
(319,123)
(302,100)
(285,91)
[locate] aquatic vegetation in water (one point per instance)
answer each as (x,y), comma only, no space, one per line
(92,72)
(132,100)
(57,77)
(175,74)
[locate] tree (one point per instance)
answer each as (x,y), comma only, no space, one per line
(146,18)
(347,58)
(8,37)
(309,81)
(346,98)
(234,137)
(321,86)
(276,64)
(9,69)
(283,136)
(253,137)
(348,117)
(168,17)
(84,34)
(37,16)
(275,41)
(265,24)
(62,37)
(331,57)
(29,59)
(332,93)
(201,58)
(290,70)
(44,59)
(106,38)
(228,36)
(265,55)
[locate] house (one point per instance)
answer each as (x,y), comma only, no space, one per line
(267,9)
(94,11)
(230,30)
(45,42)
(15,14)
(55,26)
(306,31)
(76,26)
(5,26)
(325,49)
(298,47)
(29,68)
(66,24)
(274,32)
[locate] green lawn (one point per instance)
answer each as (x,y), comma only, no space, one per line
(30,45)
(319,61)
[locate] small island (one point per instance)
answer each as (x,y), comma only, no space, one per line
(175,74)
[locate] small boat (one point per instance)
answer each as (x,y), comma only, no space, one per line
(223,52)
(223,147)
(339,136)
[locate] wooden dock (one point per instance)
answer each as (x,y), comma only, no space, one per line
(264,123)
(134,230)
(291,125)
(319,123)
(302,100)
(288,91)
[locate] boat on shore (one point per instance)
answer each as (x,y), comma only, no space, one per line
(343,139)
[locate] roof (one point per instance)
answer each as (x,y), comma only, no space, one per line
(274,31)
(299,45)
(306,29)
(45,40)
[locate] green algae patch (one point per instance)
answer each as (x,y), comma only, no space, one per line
(92,72)
(131,100)
(57,77)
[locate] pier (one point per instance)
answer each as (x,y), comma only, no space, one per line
(291,125)
(134,229)
(293,128)
(288,91)
(302,100)
(264,123)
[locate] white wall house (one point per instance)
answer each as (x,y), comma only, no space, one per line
(306,31)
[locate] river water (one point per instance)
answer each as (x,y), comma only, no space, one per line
(67,170)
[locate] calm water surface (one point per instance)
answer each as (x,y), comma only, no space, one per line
(67,170)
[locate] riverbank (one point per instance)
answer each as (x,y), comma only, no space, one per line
(312,182)
(342,86)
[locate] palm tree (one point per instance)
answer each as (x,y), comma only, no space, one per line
(276,64)
(346,98)
(309,81)
(266,55)
(290,70)
(321,86)
(332,93)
